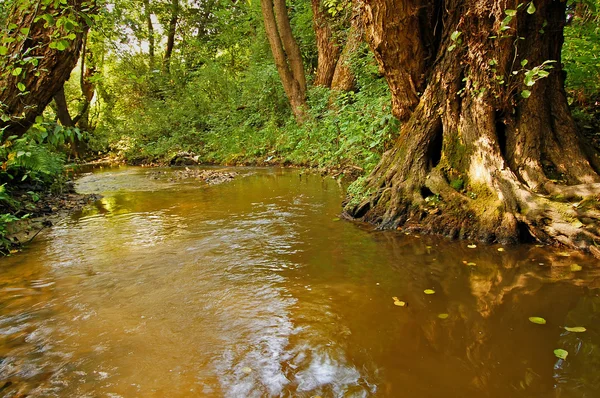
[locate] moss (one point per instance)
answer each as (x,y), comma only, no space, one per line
(358,192)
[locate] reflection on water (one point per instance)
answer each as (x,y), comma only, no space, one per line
(252,289)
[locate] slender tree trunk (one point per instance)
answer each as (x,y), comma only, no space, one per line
(151,39)
(24,95)
(88,88)
(484,152)
(286,54)
(171,35)
(328,47)
(62,109)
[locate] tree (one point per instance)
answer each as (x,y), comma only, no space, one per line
(39,49)
(327,46)
(343,77)
(151,37)
(286,54)
(488,148)
(172,29)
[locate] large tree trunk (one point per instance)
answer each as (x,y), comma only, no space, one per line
(328,47)
(44,62)
(482,155)
(286,54)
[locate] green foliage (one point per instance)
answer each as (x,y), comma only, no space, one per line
(581,51)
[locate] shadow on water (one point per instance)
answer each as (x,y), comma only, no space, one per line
(254,288)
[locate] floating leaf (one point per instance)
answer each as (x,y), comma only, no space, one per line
(443,316)
(577,329)
(471,264)
(560,353)
(500,249)
(398,302)
(537,320)
(472,246)
(429,291)
(576,267)
(336,219)
(247,370)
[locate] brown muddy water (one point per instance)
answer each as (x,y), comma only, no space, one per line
(253,288)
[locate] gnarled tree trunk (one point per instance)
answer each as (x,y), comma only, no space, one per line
(286,54)
(328,47)
(488,149)
(42,58)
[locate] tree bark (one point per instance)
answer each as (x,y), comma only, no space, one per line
(482,154)
(328,48)
(171,35)
(286,54)
(24,95)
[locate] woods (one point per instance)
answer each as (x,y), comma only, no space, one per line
(453,115)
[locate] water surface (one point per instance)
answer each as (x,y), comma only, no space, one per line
(255,288)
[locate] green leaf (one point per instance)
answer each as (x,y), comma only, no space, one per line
(25,31)
(443,316)
(576,329)
(537,320)
(17,71)
(455,35)
(524,62)
(62,45)
(560,353)
(3,50)
(21,87)
(429,291)
(510,13)
(531,9)
(525,93)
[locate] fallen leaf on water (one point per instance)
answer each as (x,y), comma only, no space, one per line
(247,370)
(537,320)
(560,353)
(398,302)
(336,219)
(443,316)
(500,249)
(471,264)
(428,247)
(429,291)
(576,329)
(472,246)
(576,267)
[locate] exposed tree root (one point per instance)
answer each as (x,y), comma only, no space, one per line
(511,213)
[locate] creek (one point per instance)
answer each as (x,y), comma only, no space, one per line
(169,287)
